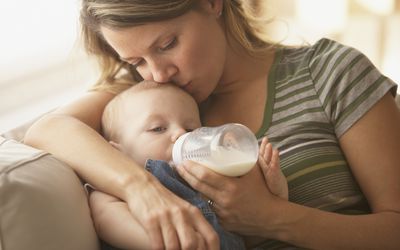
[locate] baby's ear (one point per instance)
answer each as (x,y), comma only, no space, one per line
(116,145)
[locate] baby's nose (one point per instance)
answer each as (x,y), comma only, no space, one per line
(178,133)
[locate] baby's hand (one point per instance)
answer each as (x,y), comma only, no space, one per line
(268,160)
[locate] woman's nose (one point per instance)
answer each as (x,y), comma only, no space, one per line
(163,73)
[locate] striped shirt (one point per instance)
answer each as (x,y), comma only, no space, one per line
(315,94)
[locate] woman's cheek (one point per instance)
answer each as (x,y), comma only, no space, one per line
(145,74)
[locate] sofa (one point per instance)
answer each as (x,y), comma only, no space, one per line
(43,205)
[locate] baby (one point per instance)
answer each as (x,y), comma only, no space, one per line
(144,122)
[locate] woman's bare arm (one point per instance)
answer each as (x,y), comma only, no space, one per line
(372,148)
(245,205)
(71,134)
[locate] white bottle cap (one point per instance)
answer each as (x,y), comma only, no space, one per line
(177,149)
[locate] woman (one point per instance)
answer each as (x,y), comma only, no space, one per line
(322,106)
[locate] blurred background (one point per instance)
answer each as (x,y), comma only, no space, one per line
(43,66)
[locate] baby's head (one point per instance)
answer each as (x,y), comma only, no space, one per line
(145,120)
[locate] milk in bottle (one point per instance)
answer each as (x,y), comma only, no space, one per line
(230,149)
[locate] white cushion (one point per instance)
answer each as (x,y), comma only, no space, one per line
(43,205)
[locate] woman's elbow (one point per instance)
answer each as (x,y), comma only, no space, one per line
(41,131)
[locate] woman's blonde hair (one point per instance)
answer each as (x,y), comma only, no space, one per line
(240,20)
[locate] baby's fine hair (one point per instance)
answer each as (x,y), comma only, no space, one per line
(113,111)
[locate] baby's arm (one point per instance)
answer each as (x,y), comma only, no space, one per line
(269,162)
(115,224)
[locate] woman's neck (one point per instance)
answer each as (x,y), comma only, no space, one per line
(242,93)
(242,69)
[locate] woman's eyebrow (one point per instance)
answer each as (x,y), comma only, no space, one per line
(156,41)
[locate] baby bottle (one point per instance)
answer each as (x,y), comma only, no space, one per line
(230,149)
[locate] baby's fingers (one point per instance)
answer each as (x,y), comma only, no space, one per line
(263,144)
(264,167)
(267,153)
(274,163)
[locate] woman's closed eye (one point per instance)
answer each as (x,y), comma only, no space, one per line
(169,45)
(137,63)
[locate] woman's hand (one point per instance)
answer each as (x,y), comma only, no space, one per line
(238,201)
(170,222)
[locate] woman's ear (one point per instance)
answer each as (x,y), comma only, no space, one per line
(214,6)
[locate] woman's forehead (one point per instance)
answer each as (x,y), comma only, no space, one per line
(132,40)
(143,36)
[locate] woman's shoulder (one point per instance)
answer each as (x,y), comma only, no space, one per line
(327,50)
(324,56)
(296,57)
(321,48)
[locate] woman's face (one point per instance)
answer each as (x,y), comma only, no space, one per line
(189,50)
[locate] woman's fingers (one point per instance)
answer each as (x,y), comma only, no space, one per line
(155,235)
(214,186)
(171,222)
(210,237)
(180,230)
(189,238)
(200,177)
(198,236)
(196,232)
(170,236)
(202,244)
(159,230)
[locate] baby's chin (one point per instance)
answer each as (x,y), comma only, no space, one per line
(171,164)
(169,161)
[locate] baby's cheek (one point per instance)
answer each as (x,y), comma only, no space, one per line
(138,157)
(161,154)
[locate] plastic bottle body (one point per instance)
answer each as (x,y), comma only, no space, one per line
(230,149)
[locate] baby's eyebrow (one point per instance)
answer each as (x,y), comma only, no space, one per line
(153,117)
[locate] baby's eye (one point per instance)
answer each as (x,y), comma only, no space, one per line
(158,129)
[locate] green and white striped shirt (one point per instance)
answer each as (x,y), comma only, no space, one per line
(315,94)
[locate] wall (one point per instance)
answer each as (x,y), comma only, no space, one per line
(371,26)
(42,65)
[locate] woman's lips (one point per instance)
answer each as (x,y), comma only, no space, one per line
(187,86)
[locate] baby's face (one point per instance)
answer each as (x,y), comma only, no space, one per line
(152,121)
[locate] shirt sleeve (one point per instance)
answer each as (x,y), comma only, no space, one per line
(347,83)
